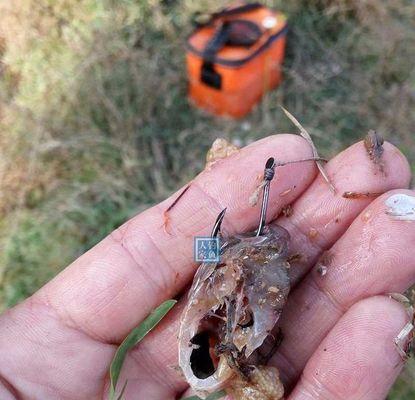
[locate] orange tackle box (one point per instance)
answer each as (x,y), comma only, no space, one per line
(234,58)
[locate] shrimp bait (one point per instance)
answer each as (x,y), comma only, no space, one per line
(229,328)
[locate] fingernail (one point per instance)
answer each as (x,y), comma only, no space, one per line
(401,206)
(403,341)
(400,298)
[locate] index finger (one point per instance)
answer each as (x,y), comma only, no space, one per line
(112,287)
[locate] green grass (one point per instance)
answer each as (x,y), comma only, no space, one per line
(132,339)
(95,125)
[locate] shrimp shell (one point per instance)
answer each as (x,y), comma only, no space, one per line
(227,328)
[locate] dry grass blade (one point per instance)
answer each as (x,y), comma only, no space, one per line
(134,337)
(213,396)
(307,137)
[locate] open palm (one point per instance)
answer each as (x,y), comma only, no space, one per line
(338,326)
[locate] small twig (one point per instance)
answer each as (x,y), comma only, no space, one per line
(307,137)
(359,195)
(283,163)
(169,208)
(374,147)
(178,198)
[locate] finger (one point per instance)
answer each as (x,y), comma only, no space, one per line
(358,359)
(321,217)
(106,292)
(375,256)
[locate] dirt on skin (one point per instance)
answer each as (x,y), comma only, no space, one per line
(359,195)
(374,147)
(287,211)
(220,149)
(264,384)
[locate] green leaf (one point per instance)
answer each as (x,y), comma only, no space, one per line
(122,391)
(135,336)
(213,396)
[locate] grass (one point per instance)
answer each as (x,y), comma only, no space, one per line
(133,338)
(95,125)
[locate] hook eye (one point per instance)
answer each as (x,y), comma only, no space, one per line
(270,163)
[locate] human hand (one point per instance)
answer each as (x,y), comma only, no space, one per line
(339,328)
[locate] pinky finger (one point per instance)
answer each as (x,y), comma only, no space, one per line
(358,358)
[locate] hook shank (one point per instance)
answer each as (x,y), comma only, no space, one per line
(269,172)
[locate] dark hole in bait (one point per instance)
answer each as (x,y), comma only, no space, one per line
(200,361)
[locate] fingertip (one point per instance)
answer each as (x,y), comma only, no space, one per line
(397,165)
(358,358)
(291,139)
(382,312)
(355,169)
(366,334)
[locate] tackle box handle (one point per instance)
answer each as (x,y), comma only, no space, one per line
(223,36)
(225,12)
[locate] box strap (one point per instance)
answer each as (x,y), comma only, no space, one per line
(208,74)
(235,32)
(225,12)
